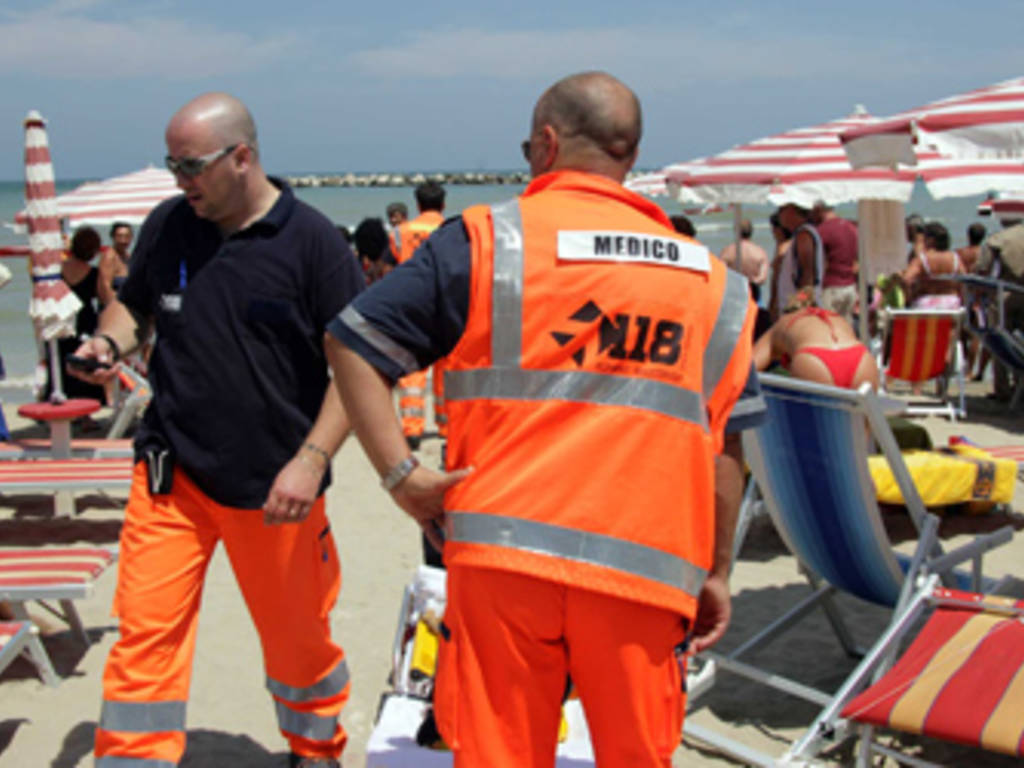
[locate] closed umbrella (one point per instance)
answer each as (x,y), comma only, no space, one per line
(984,123)
(128,198)
(53,306)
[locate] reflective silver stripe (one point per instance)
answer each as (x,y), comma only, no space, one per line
(728,326)
(397,232)
(507,286)
(747,405)
(410,391)
(411,411)
(598,549)
(577,386)
(332,685)
(306,725)
(379,341)
(143,716)
(114,761)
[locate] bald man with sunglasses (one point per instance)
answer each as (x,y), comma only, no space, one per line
(239,279)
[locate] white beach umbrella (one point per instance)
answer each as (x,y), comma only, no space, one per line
(984,123)
(128,198)
(53,306)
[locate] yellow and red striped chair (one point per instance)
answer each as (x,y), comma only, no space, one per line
(961,680)
(922,345)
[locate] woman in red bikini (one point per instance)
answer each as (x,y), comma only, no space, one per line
(817,345)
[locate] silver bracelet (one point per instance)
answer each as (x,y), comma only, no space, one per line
(399,472)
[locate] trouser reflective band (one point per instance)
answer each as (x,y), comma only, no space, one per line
(330,686)
(306,725)
(143,716)
(583,546)
(111,761)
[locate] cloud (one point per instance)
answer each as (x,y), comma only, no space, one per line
(663,56)
(60,41)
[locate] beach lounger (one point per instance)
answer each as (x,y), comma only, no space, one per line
(81,448)
(393,742)
(809,460)
(64,477)
(22,637)
(53,577)
(924,345)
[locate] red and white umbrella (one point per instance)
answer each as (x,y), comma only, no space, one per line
(53,305)
(128,198)
(984,123)
(799,166)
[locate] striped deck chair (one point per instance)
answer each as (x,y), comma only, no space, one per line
(22,637)
(924,345)
(809,460)
(64,477)
(53,577)
(961,680)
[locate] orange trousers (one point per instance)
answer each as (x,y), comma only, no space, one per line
(411,403)
(289,576)
(513,640)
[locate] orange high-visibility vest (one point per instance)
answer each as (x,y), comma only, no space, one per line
(409,235)
(601,357)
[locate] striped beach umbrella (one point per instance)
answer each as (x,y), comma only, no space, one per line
(128,198)
(984,123)
(53,306)
(799,166)
(810,164)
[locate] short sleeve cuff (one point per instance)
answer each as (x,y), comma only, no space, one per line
(378,349)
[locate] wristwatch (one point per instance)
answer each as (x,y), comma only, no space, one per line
(399,472)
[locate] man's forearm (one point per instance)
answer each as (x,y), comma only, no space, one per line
(366,396)
(728,495)
(117,322)
(331,426)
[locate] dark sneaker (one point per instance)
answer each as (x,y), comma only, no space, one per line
(413,441)
(298,761)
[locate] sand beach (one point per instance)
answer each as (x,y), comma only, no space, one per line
(230,718)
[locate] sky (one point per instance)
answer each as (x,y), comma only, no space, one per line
(450,85)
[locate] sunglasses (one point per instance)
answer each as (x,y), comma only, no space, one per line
(525,146)
(190,167)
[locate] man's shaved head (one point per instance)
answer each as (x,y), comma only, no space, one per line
(225,117)
(592,110)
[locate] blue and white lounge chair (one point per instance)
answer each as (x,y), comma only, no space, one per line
(810,463)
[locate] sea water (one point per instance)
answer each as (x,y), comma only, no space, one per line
(349,205)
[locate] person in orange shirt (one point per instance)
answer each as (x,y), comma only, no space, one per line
(405,239)
(594,357)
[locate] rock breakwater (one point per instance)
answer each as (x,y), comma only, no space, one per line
(406,179)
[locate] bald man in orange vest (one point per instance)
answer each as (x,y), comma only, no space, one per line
(594,358)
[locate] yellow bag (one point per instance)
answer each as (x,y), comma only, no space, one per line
(955,475)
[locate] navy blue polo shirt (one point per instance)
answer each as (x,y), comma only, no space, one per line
(417,314)
(238,370)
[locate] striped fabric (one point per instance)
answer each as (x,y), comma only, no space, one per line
(984,123)
(798,166)
(919,346)
(57,474)
(128,198)
(21,568)
(962,679)
(810,461)
(53,305)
